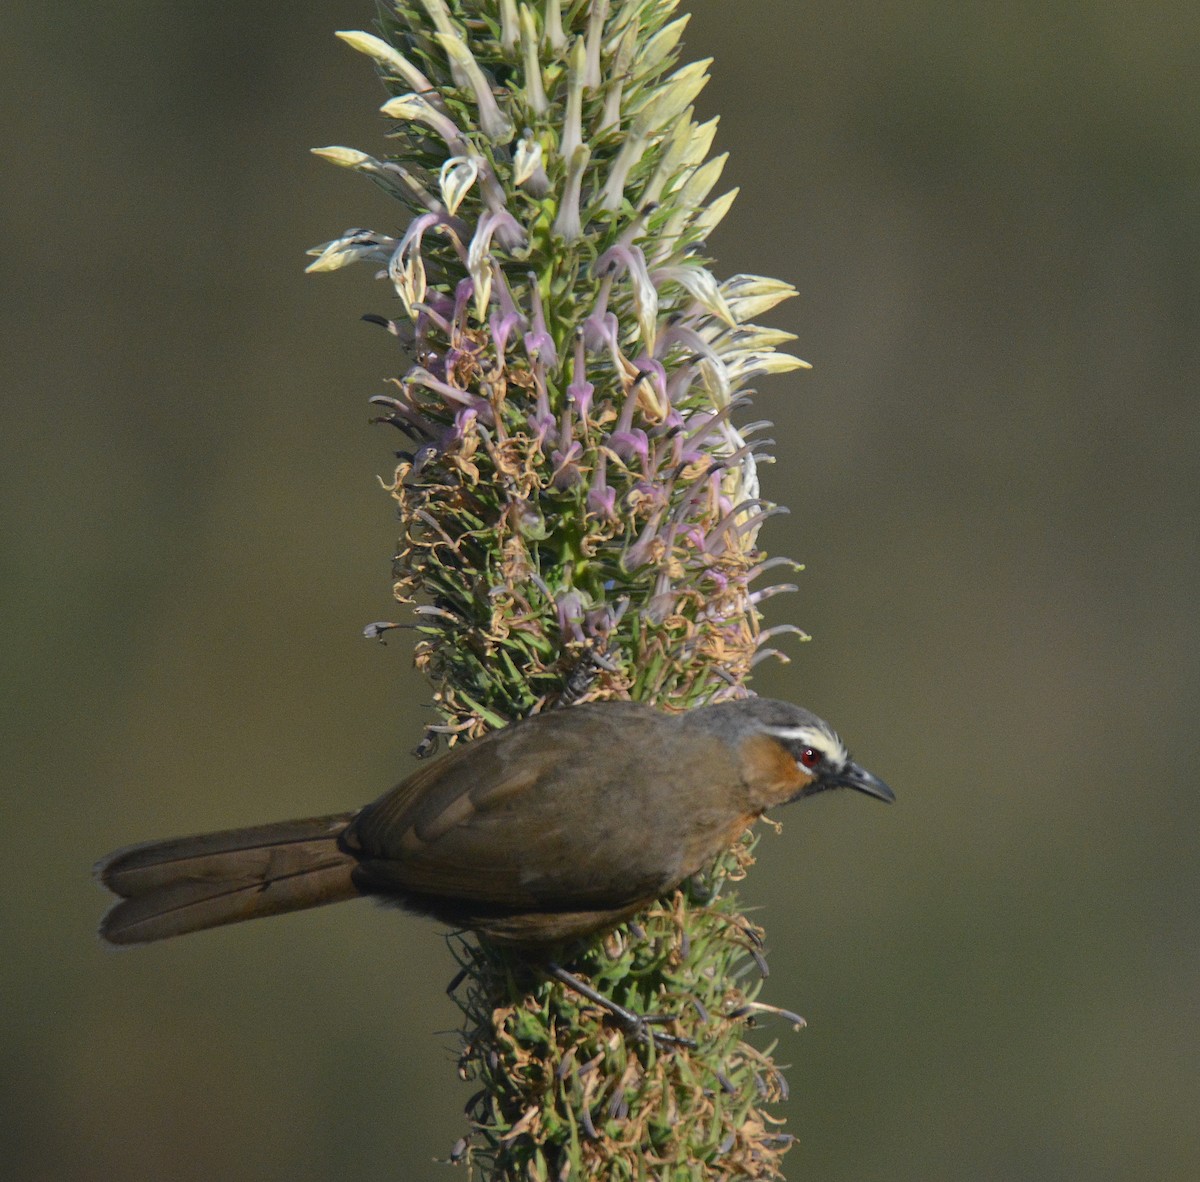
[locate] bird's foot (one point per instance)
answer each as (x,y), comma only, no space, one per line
(640,1025)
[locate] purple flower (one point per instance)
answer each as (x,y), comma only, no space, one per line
(541,419)
(650,493)
(463,292)
(570,608)
(627,440)
(600,328)
(464,425)
(565,457)
(539,344)
(580,391)
(602,500)
(641,552)
(507,317)
(628,444)
(417,376)
(566,466)
(653,373)
(602,621)
(405,418)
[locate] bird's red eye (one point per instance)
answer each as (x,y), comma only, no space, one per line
(810,758)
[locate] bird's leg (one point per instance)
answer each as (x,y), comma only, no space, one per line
(640,1024)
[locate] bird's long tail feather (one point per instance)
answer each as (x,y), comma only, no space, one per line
(187,884)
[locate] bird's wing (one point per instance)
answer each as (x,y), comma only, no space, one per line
(552,813)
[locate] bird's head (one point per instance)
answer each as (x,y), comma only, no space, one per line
(787,752)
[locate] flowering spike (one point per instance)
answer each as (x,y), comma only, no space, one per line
(576,527)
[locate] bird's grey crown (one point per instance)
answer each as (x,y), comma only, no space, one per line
(793,726)
(785,721)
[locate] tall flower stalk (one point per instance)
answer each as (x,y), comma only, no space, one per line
(579,510)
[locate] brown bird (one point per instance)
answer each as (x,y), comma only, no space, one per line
(555,827)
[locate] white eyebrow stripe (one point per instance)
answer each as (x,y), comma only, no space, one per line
(797,734)
(812,736)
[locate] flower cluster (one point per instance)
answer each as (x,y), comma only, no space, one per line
(579,503)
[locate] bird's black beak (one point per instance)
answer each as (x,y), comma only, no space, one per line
(861,780)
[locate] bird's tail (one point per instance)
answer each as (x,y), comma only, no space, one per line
(188,884)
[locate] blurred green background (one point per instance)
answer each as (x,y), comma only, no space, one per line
(991,212)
